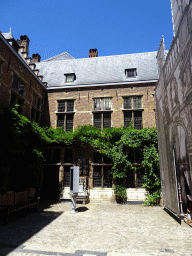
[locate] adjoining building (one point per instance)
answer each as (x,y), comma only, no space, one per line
(173,97)
(105,91)
(18,82)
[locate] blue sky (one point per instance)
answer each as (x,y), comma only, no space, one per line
(112,26)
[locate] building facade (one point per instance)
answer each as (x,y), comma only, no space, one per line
(61,91)
(107,91)
(173,97)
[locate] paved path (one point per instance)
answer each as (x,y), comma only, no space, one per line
(97,230)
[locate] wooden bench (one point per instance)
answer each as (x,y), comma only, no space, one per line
(15,201)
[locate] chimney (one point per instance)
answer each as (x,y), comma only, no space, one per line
(24,43)
(93,53)
(35,57)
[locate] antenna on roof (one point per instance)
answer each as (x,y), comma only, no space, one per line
(10,30)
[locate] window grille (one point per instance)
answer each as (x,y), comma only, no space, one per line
(138,120)
(106,120)
(107,177)
(70,105)
(69,122)
(97,176)
(97,120)
(67,176)
(60,121)
(61,106)
(127,119)
(136,102)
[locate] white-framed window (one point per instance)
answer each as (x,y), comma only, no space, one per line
(102,112)
(131,107)
(102,104)
(65,114)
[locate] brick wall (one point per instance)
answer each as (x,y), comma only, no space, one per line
(83,105)
(11,65)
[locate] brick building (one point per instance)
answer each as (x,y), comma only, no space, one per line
(174,111)
(18,82)
(65,92)
(105,91)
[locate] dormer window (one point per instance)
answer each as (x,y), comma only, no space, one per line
(70,78)
(131,73)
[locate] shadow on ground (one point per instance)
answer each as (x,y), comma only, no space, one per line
(82,209)
(22,227)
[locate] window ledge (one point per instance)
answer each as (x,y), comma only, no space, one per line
(133,109)
(69,112)
(99,111)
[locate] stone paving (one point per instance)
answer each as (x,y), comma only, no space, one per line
(96,230)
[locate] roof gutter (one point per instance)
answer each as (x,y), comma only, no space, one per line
(96,85)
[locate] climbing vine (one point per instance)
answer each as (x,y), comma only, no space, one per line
(25,139)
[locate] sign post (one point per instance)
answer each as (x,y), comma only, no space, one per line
(74,186)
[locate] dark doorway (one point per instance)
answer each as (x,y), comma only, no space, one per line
(50,189)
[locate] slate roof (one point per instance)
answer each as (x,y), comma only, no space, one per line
(61,56)
(102,70)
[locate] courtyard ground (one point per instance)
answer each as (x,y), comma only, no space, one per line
(96,230)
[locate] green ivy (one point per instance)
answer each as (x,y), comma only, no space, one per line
(25,138)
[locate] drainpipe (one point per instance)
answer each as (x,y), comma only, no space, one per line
(178,180)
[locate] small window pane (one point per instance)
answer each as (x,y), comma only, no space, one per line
(61,106)
(107,104)
(127,119)
(136,102)
(127,103)
(131,72)
(107,177)
(70,105)
(60,121)
(138,120)
(97,120)
(97,176)
(97,104)
(69,78)
(106,120)
(69,123)
(67,176)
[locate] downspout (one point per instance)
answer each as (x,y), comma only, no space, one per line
(178,180)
